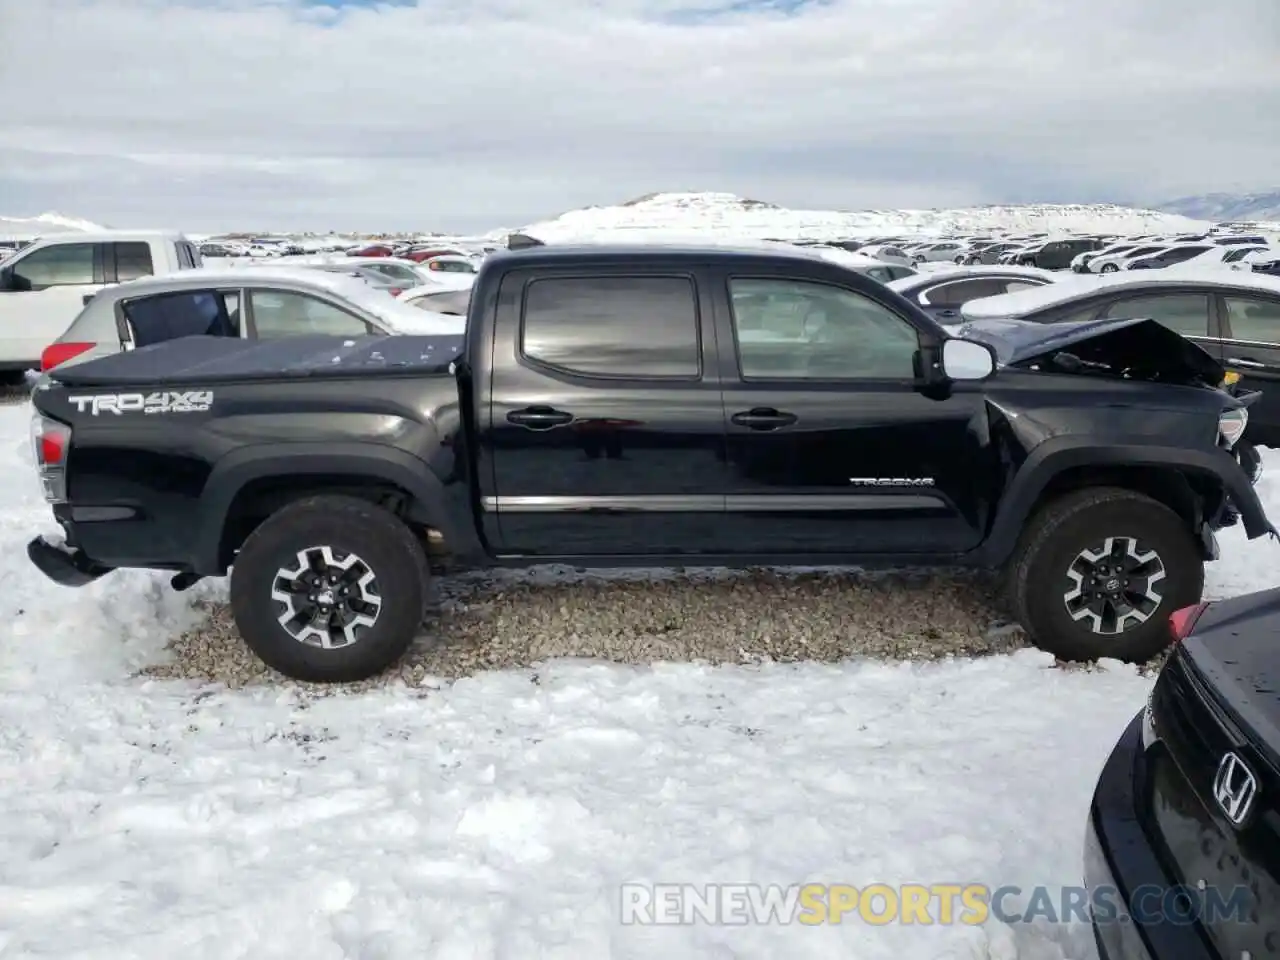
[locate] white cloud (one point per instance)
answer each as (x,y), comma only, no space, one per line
(477,114)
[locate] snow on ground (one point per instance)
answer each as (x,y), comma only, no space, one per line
(729,215)
(498,816)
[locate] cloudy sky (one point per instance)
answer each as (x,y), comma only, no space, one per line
(474,114)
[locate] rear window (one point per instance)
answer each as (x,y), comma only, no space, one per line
(625,327)
(960,292)
(190,313)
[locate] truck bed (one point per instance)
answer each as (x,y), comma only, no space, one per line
(202,360)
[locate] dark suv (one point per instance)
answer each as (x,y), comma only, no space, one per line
(1058,254)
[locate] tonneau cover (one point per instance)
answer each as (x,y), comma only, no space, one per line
(191,360)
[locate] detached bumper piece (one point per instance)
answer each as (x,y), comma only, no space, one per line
(64,565)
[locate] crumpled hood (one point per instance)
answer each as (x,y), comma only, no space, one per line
(1136,348)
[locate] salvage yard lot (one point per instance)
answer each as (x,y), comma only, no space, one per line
(154,811)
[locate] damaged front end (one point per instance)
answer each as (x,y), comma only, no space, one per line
(1130,349)
(1139,349)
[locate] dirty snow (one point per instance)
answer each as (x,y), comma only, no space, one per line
(497,817)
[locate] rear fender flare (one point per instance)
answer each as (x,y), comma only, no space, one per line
(1052,457)
(379,463)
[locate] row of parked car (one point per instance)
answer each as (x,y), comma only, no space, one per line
(1095,253)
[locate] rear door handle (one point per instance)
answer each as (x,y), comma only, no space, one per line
(539,418)
(1250,364)
(763,418)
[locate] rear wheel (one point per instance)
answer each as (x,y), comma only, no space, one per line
(1098,573)
(329,589)
(1110,268)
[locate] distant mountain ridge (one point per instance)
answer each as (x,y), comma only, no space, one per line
(727,213)
(1263,206)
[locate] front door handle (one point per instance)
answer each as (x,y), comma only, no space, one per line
(1250,364)
(763,418)
(539,417)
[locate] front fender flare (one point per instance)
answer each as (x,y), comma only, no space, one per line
(372,461)
(1052,457)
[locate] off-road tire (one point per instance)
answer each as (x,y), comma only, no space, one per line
(1076,522)
(352,526)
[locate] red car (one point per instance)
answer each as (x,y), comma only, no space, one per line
(418,254)
(372,250)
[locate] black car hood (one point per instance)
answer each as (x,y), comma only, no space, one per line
(1138,349)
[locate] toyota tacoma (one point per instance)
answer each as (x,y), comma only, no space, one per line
(613,406)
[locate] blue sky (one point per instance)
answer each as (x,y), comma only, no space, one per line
(494,113)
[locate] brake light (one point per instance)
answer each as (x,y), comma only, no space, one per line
(59,353)
(1183,622)
(396,291)
(51,442)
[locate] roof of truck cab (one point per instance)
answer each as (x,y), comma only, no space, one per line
(110,236)
(656,250)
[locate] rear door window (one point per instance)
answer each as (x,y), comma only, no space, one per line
(189,313)
(626,327)
(1184,313)
(1256,321)
(282,313)
(133,260)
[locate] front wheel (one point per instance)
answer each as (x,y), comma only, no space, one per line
(329,589)
(1109,268)
(1098,573)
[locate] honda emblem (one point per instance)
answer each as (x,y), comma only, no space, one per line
(1235,788)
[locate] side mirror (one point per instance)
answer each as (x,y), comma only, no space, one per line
(967,360)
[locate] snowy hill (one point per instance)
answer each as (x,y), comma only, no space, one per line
(1228,206)
(24,228)
(730,214)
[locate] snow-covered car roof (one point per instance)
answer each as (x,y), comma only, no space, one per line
(397,317)
(1064,291)
(954,272)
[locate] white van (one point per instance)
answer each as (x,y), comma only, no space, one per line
(45,284)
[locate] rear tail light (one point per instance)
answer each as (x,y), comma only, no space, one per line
(59,353)
(51,443)
(396,291)
(1183,622)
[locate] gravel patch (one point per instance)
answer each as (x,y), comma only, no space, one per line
(500,621)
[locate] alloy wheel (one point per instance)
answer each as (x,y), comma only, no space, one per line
(1114,586)
(327,598)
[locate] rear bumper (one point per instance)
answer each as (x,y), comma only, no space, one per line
(64,565)
(1119,860)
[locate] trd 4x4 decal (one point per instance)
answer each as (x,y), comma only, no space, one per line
(169,401)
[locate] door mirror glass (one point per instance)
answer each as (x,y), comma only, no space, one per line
(967,360)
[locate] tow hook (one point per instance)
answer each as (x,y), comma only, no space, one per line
(185,580)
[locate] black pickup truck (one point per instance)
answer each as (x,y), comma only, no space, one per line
(612,406)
